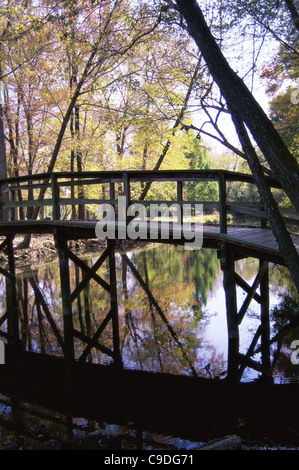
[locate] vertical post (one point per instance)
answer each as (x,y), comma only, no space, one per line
(114,305)
(1,202)
(69,354)
(11,296)
(112,196)
(14,210)
(112,190)
(180,198)
(3,164)
(222,203)
(126,180)
(227,265)
(81,206)
(265,323)
(4,199)
(263,219)
(55,198)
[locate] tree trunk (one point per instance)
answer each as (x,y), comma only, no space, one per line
(81,208)
(240,101)
(294,12)
(3,164)
(279,229)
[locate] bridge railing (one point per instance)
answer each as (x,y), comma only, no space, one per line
(47,195)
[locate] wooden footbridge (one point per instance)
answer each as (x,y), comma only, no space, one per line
(64,205)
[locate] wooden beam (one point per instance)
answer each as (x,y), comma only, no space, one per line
(250,351)
(265,318)
(69,353)
(87,269)
(90,275)
(55,198)
(114,305)
(153,302)
(222,202)
(7,274)
(227,265)
(96,336)
(242,283)
(3,318)
(46,310)
(11,296)
(92,343)
(246,303)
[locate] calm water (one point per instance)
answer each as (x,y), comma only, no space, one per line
(188,332)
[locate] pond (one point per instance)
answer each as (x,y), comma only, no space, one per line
(186,335)
(188,332)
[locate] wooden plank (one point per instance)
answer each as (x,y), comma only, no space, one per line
(239,237)
(75,201)
(146,175)
(26,203)
(25,187)
(291,221)
(247,210)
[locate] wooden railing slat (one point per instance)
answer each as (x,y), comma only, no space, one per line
(56,181)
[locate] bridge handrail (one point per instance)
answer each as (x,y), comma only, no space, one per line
(56,180)
(144,175)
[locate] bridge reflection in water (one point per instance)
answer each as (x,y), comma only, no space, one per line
(146,400)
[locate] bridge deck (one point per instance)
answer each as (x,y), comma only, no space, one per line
(246,240)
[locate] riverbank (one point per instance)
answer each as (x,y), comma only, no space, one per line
(112,437)
(42,249)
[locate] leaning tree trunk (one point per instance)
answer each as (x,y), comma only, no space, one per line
(241,101)
(294,12)
(279,229)
(245,111)
(3,164)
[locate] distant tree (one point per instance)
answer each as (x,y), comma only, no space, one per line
(198,159)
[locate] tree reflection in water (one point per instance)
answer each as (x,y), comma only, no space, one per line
(171,311)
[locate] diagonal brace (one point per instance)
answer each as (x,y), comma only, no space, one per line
(49,317)
(91,272)
(159,310)
(250,295)
(96,336)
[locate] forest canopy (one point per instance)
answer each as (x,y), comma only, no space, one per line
(119,85)
(109,84)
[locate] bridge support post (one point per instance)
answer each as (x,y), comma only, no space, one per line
(114,305)
(227,266)
(61,244)
(265,322)
(11,296)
